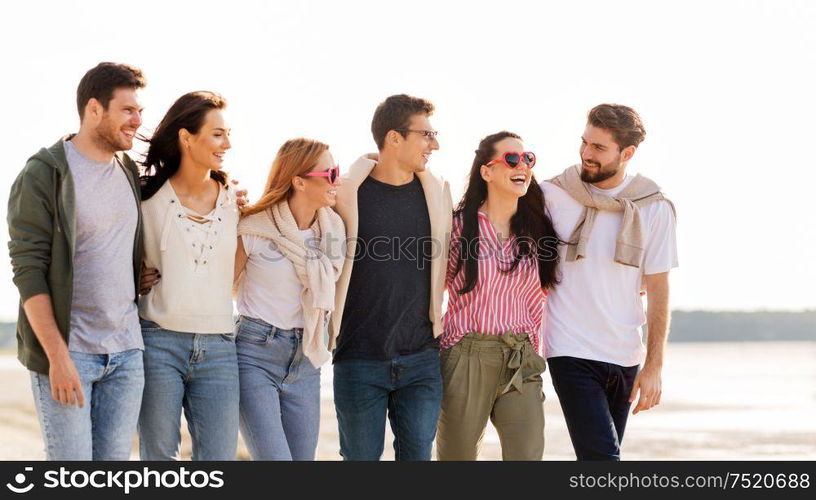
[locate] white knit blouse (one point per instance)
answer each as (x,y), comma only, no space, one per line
(196,260)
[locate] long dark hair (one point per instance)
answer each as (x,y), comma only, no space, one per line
(532,227)
(164,155)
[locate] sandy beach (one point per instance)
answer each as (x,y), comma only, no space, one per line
(721,401)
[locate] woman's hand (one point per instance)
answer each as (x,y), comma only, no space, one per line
(149,279)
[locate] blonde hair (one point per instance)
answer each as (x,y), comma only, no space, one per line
(296,157)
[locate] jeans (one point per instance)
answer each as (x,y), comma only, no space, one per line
(104,427)
(196,372)
(407,388)
(595,399)
(280,392)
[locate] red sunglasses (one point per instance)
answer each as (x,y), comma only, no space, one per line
(332,174)
(513,159)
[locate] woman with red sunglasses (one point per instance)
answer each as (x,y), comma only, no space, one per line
(502,260)
(290,254)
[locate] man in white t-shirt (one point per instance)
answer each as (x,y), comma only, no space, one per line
(619,235)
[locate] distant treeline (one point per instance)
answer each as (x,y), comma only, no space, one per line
(723,326)
(687,326)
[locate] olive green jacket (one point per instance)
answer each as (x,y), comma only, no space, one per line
(42,229)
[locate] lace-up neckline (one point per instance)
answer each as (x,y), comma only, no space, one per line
(200,232)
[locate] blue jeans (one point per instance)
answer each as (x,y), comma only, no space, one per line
(407,388)
(595,399)
(104,427)
(280,392)
(198,372)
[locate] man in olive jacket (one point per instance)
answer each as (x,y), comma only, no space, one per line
(76,251)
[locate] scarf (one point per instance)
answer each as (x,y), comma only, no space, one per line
(317,266)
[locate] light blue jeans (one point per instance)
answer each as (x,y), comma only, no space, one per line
(104,427)
(196,372)
(280,392)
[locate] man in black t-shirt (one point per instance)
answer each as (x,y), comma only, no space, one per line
(387,313)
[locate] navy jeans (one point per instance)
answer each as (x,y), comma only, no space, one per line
(407,388)
(595,399)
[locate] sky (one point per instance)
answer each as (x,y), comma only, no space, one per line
(725,90)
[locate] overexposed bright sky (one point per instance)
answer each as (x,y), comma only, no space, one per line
(725,89)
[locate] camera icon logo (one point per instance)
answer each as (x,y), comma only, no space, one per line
(20,478)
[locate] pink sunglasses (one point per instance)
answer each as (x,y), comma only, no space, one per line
(513,159)
(331,175)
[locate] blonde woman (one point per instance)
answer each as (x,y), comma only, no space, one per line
(290,253)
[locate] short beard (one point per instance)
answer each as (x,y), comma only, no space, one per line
(107,140)
(605,172)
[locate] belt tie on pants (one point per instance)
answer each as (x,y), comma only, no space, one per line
(520,355)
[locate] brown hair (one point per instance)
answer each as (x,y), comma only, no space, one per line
(395,113)
(101,81)
(621,121)
(163,156)
(296,157)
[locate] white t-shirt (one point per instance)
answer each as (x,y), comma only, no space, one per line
(270,289)
(596,312)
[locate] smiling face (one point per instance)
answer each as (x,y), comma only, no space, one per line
(317,190)
(601,157)
(414,149)
(502,179)
(117,125)
(208,146)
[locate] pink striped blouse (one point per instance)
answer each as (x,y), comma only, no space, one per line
(499,301)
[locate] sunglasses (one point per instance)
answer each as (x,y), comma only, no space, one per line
(331,175)
(513,159)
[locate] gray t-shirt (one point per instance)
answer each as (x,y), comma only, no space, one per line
(104,316)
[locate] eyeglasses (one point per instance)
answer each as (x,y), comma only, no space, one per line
(332,175)
(428,134)
(513,159)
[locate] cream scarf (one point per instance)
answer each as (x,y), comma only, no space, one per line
(317,266)
(630,244)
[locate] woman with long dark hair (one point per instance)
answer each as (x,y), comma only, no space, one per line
(190,219)
(290,253)
(502,260)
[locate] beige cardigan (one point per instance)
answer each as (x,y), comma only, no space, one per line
(630,243)
(440,210)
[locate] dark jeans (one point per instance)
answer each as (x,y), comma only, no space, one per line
(595,399)
(407,388)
